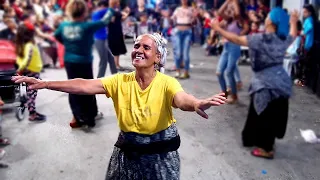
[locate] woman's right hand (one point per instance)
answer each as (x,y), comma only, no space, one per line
(32,82)
(215,24)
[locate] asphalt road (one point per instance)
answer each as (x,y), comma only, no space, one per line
(211,149)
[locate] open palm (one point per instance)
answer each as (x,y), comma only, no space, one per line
(33,83)
(203,105)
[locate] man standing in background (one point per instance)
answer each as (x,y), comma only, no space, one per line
(101,42)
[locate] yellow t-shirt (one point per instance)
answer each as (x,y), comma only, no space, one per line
(142,111)
(35,63)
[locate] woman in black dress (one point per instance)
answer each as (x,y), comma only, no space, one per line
(115,38)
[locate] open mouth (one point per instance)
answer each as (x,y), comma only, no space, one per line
(138,57)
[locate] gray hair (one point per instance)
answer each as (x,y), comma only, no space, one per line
(161,44)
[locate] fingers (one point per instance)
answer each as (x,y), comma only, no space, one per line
(295,12)
(21,79)
(14,78)
(202,113)
(18,79)
(216,103)
(219,101)
(221,96)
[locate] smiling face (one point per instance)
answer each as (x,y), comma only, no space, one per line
(144,53)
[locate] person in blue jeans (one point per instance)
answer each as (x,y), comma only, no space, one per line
(77,38)
(183,17)
(231,53)
(227,68)
(101,41)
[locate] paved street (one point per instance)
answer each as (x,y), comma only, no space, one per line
(211,149)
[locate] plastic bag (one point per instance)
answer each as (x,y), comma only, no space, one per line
(309,136)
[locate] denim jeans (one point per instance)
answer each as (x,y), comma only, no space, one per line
(227,66)
(165,32)
(182,48)
(236,75)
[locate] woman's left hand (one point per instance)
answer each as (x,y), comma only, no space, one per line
(202,105)
(294,17)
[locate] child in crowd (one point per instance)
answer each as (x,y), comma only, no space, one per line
(143,27)
(10,31)
(166,23)
(252,6)
(254,28)
(29,64)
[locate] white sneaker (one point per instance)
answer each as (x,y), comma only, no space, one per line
(99,116)
(177,75)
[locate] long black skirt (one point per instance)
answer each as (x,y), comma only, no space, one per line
(262,130)
(84,107)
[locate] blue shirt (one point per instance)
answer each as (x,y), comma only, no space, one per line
(102,33)
(308,30)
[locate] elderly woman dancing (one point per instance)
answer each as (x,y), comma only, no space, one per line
(143,100)
(271,86)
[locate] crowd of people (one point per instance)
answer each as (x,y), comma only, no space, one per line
(51,33)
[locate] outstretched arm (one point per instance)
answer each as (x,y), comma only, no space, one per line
(222,9)
(108,16)
(187,102)
(98,22)
(74,86)
(234,38)
(236,8)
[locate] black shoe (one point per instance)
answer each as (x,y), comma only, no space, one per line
(37,117)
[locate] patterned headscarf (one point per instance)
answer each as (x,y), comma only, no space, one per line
(161,43)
